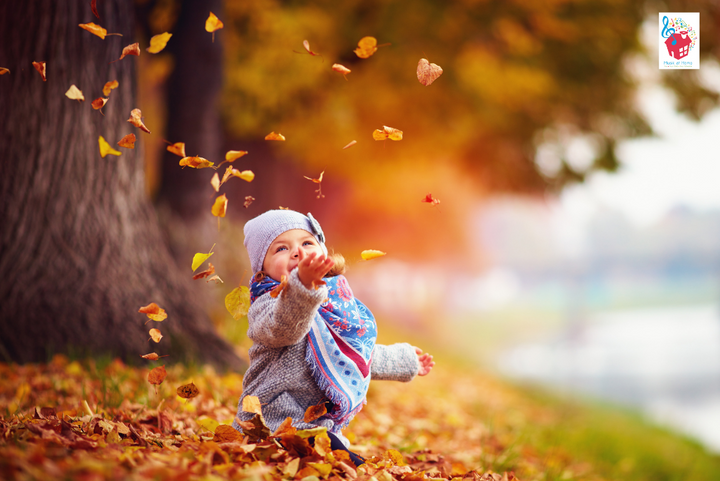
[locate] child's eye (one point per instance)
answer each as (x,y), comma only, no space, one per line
(308,243)
(281,248)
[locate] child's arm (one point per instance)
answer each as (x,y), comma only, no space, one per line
(396,362)
(426,362)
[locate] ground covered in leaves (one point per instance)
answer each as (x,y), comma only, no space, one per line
(103,420)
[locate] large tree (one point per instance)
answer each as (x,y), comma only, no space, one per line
(80,249)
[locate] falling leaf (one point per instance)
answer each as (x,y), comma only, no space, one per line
(155,334)
(430,200)
(220,206)
(246,175)
(277,290)
(208,272)
(366,47)
(428,72)
(152,356)
(75,93)
(136,120)
(158,42)
(215,182)
(319,182)
(306,44)
(41,67)
(201,257)
(212,24)
(178,148)
(314,412)
(251,404)
(132,49)
(94,29)
(157,375)
(387,133)
(233,155)
(353,142)
(227,434)
(371,254)
(195,162)
(274,136)
(187,391)
(216,279)
(93,7)
(128,141)
(341,69)
(248,200)
(99,103)
(237,302)
(154,312)
(4,70)
(109,86)
(105,148)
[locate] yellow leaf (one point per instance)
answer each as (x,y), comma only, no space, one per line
(178,148)
(212,24)
(233,155)
(4,70)
(387,133)
(292,468)
(74,93)
(200,257)
(246,175)
(220,206)
(366,47)
(94,29)
(215,182)
(154,312)
(371,254)
(251,404)
(136,120)
(238,302)
(208,423)
(274,136)
(322,444)
(158,42)
(195,162)
(322,468)
(105,148)
(155,334)
(128,141)
(109,86)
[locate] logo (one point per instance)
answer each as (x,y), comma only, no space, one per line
(679,40)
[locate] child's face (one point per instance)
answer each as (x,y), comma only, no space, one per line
(282,255)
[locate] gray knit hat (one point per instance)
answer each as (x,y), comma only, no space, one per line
(262,230)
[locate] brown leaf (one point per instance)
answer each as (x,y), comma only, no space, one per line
(41,67)
(132,49)
(157,375)
(154,312)
(136,120)
(99,103)
(128,141)
(248,200)
(210,271)
(93,7)
(152,356)
(187,391)
(280,287)
(178,148)
(314,412)
(255,428)
(227,434)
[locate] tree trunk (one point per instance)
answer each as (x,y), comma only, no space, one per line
(80,248)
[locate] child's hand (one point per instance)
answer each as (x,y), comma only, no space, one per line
(426,362)
(312,268)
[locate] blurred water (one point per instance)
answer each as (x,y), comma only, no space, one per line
(666,361)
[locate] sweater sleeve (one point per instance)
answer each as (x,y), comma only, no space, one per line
(286,319)
(396,362)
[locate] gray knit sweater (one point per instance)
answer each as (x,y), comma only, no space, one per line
(279,374)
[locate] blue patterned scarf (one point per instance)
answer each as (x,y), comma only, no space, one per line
(340,345)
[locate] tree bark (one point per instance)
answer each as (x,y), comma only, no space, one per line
(80,248)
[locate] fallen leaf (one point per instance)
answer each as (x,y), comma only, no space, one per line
(233,155)
(237,302)
(251,404)
(132,49)
(256,428)
(428,72)
(315,412)
(248,200)
(158,42)
(215,182)
(227,434)
(371,254)
(109,86)
(187,391)
(430,200)
(286,428)
(277,290)
(136,119)
(41,67)
(128,141)
(353,142)
(4,70)
(208,423)
(201,257)
(105,148)
(387,133)
(366,47)
(99,103)
(154,312)
(178,148)
(319,182)
(94,29)
(322,445)
(219,208)
(212,24)
(155,334)
(274,136)
(208,272)
(341,69)
(75,93)
(157,375)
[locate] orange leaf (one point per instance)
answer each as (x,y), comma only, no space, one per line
(215,279)
(306,44)
(109,86)
(371,254)
(317,181)
(215,182)
(314,412)
(41,67)
(99,103)
(4,70)
(105,148)
(157,375)
(178,148)
(428,72)
(136,119)
(387,133)
(233,155)
(280,287)
(132,49)
(251,404)
(195,162)
(152,356)
(154,312)
(246,175)
(220,206)
(274,136)
(208,272)
(155,334)
(158,42)
(366,47)
(93,6)
(248,200)
(227,434)
(128,141)
(75,93)
(187,391)
(285,428)
(353,142)
(94,29)
(341,69)
(430,200)
(212,24)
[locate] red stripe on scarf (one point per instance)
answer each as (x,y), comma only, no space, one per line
(350,352)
